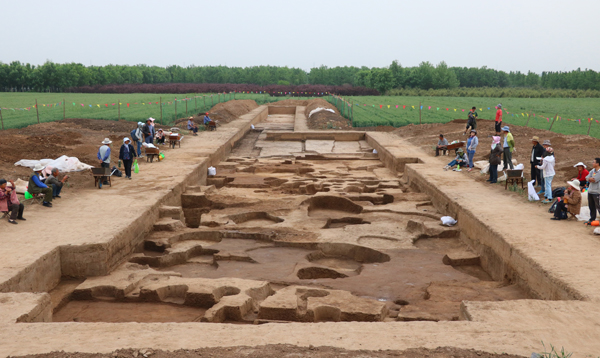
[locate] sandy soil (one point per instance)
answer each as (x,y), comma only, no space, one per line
(568,149)
(281,351)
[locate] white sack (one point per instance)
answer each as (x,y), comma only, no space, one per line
(212,171)
(148,145)
(584,214)
(63,164)
(597,231)
(448,221)
(532,194)
(519,166)
(319,109)
(374,151)
(503,177)
(584,199)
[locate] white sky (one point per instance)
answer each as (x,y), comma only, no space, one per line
(537,35)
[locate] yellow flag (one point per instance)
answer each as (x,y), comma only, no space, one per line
(413,107)
(143,103)
(120,104)
(388,106)
(522,114)
(481,109)
(44,105)
(454,109)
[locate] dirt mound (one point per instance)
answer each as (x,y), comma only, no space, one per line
(325,119)
(228,111)
(569,149)
(282,350)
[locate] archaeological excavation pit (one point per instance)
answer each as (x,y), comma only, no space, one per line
(292,231)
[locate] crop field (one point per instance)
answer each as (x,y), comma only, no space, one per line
(399,111)
(18,108)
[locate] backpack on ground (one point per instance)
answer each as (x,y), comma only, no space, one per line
(558,192)
(552,208)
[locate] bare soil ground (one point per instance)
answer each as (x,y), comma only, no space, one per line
(568,149)
(81,138)
(223,112)
(280,351)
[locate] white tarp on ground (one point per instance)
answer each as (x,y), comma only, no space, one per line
(319,109)
(64,164)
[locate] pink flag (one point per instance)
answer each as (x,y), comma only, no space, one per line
(396,106)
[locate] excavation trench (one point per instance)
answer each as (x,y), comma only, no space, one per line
(292,230)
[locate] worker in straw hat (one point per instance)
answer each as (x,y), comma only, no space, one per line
(536,152)
(104,157)
(582,172)
(36,186)
(571,201)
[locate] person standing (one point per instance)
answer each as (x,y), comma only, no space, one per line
(508,147)
(494,160)
(57,185)
(472,121)
(593,178)
(548,167)
(137,136)
(104,157)
(10,202)
(442,145)
(36,186)
(472,144)
(147,132)
(126,154)
(536,152)
(582,173)
(498,123)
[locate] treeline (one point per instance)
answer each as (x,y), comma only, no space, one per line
(185,88)
(54,77)
(496,92)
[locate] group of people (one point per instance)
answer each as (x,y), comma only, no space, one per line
(571,201)
(193,127)
(44,181)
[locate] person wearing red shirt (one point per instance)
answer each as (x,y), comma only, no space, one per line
(498,119)
(582,172)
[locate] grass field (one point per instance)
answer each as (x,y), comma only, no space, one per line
(367,111)
(100,106)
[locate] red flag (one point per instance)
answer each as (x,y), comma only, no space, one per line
(404,107)
(106,104)
(380,106)
(127,104)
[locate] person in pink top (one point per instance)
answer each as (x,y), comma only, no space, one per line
(498,119)
(9,201)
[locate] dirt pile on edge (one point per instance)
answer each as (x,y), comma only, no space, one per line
(281,350)
(223,112)
(325,119)
(568,149)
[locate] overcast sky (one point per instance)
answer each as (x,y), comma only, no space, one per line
(537,35)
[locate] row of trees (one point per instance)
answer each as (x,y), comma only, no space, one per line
(55,77)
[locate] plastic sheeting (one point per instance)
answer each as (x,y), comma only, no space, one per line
(319,109)
(64,164)
(532,194)
(448,221)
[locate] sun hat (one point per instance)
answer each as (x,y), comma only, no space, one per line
(474,131)
(535,139)
(38,167)
(126,139)
(575,184)
(499,106)
(505,129)
(547,142)
(151,119)
(460,150)
(578,164)
(106,141)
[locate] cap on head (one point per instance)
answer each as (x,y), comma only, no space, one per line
(499,106)
(459,150)
(546,142)
(505,129)
(474,131)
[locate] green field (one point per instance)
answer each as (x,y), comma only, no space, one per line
(100,106)
(367,111)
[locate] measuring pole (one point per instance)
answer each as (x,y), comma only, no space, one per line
(64,109)
(175,108)
(204,99)
(186,106)
(2,120)
(211,101)
(195,103)
(527,125)
(551,124)
(419,112)
(590,127)
(119,108)
(37,111)
(161,111)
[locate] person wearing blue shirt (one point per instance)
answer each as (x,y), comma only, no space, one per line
(36,186)
(206,119)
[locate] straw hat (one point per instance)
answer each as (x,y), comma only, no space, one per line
(535,139)
(575,184)
(578,164)
(38,167)
(106,141)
